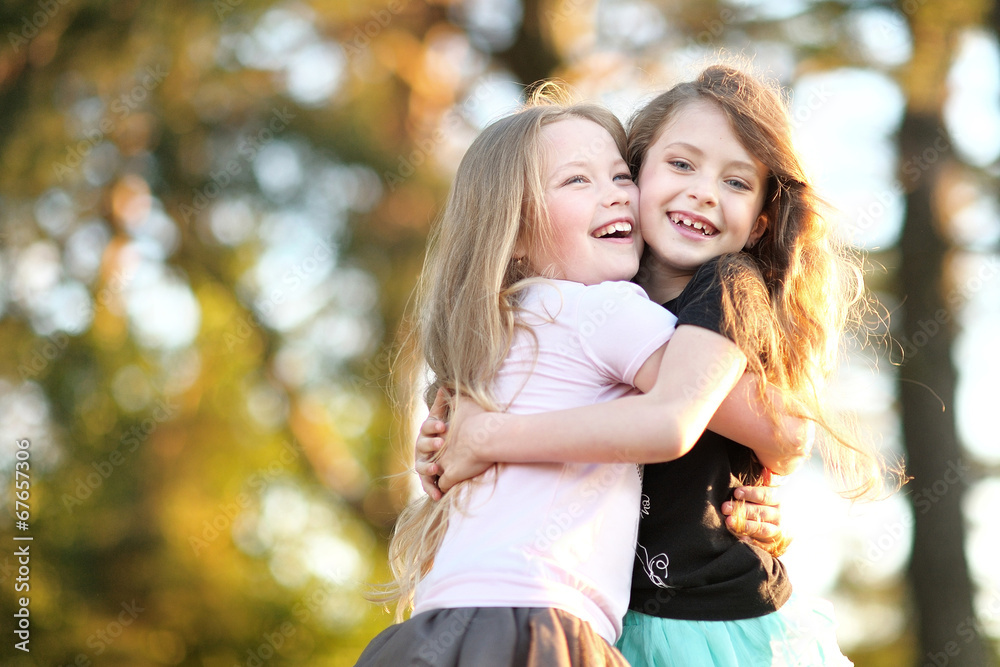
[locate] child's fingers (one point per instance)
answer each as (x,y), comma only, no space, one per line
(751,528)
(429,484)
(767,515)
(747,510)
(427,467)
(427,448)
(439,409)
(756,523)
(444,483)
(432,427)
(761,495)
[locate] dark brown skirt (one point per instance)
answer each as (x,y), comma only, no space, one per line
(491,637)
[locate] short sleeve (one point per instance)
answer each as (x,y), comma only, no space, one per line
(700,304)
(619,328)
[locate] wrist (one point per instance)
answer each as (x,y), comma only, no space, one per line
(483,439)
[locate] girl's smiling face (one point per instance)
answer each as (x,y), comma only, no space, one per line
(702,191)
(592,206)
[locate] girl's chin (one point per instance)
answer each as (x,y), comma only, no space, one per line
(683,260)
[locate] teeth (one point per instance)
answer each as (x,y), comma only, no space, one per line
(692,224)
(612,228)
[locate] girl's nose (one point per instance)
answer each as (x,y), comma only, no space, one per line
(703,191)
(618,194)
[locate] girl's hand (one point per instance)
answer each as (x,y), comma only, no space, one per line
(755,516)
(430,439)
(458,459)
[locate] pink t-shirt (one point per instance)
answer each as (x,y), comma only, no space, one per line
(556,535)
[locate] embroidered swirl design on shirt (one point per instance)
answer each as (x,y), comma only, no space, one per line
(655,567)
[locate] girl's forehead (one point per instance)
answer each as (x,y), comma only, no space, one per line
(700,120)
(697,111)
(570,125)
(575,138)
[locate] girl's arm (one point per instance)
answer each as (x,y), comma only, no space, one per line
(756,517)
(742,417)
(684,384)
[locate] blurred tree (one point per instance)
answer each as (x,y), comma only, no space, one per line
(191,323)
(946,623)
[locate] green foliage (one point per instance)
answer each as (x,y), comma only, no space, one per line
(187,317)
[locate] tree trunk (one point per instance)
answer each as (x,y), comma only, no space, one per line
(531,58)
(947,629)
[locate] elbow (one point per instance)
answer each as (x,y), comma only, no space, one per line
(664,440)
(686,436)
(784,466)
(802,437)
(667,429)
(784,463)
(798,437)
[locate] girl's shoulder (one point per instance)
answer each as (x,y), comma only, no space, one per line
(701,301)
(734,272)
(726,267)
(580,295)
(706,283)
(617,288)
(615,297)
(549,300)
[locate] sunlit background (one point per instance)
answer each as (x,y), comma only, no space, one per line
(211,219)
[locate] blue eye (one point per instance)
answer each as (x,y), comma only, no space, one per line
(624,177)
(680,164)
(738,184)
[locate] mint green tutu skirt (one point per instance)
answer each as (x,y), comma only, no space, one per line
(801,634)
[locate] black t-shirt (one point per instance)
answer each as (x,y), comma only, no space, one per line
(688,565)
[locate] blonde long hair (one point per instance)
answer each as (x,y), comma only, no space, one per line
(789,298)
(467,298)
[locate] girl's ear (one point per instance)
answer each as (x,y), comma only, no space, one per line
(758,230)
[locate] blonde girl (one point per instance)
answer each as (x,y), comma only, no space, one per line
(523,306)
(736,248)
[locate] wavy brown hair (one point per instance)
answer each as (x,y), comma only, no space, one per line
(789,298)
(467,299)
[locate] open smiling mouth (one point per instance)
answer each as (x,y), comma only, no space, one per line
(697,225)
(614,230)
